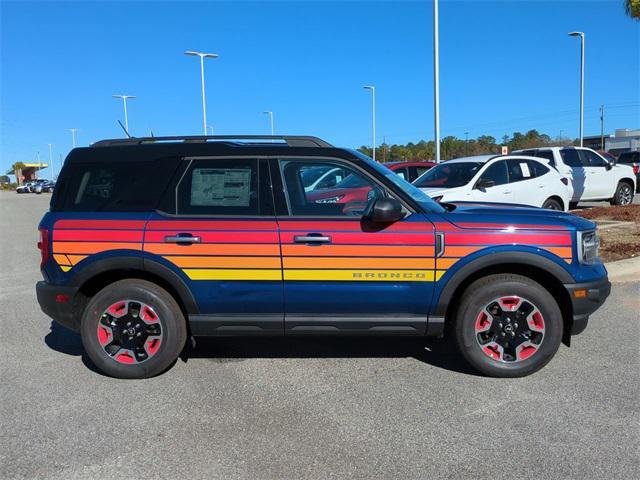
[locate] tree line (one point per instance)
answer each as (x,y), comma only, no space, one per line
(454,147)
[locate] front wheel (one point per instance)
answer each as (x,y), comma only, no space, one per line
(133,329)
(623,195)
(508,326)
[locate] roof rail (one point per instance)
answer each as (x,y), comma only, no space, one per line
(290,140)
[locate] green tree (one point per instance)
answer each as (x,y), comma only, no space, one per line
(632,7)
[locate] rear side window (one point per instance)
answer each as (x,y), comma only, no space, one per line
(571,157)
(521,169)
(117,186)
(219,187)
(548,155)
(537,168)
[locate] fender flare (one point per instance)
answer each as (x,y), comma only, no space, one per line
(493,259)
(136,262)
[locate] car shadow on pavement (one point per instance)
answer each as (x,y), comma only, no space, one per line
(435,352)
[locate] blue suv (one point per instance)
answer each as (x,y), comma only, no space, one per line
(150,241)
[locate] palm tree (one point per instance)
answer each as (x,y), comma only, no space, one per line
(632,7)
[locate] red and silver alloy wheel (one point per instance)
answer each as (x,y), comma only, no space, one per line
(510,329)
(129,332)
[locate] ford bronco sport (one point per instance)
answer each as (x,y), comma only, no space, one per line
(150,241)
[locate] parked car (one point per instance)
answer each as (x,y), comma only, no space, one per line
(592,177)
(497,179)
(25,188)
(632,159)
(220,238)
(321,178)
(409,170)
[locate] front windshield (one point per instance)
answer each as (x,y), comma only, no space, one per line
(449,175)
(418,196)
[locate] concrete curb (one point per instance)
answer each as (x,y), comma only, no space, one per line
(627,270)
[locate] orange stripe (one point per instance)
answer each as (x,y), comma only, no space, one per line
(92,247)
(361,262)
(461,251)
(564,252)
(76,258)
(357,251)
(61,259)
(225,262)
(213,249)
(444,263)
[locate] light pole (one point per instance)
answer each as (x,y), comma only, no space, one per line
(50,159)
(466,143)
(436,80)
(581,35)
(73,136)
(211,127)
(373,118)
(270,113)
(204,102)
(602,127)
(124,102)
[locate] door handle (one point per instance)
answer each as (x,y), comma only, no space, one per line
(312,238)
(507,191)
(185,238)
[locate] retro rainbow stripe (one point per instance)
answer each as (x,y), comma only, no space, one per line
(264,250)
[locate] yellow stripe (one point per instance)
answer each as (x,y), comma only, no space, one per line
(364,275)
(65,268)
(224,274)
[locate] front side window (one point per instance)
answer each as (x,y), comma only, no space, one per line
(219,187)
(496,173)
(592,159)
(348,197)
(449,175)
(570,157)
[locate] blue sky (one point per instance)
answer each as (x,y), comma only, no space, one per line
(505,67)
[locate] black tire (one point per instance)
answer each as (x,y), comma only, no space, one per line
(169,316)
(623,195)
(552,204)
(482,293)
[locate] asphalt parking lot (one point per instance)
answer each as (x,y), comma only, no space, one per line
(307,408)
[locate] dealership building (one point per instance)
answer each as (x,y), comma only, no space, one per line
(623,140)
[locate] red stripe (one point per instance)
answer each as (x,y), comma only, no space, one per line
(101,224)
(191,225)
(501,238)
(338,238)
(97,235)
(351,225)
(444,226)
(215,237)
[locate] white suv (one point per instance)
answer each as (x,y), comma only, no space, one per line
(592,177)
(497,179)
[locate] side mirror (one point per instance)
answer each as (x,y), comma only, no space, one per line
(386,210)
(484,183)
(608,165)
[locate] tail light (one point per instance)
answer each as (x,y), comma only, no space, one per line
(43,245)
(636,168)
(565,180)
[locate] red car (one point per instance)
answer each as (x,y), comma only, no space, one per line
(355,189)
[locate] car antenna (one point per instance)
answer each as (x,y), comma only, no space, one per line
(125,130)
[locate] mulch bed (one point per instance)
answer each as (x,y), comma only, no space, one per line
(616,242)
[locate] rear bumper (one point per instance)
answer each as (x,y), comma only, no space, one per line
(586,298)
(50,297)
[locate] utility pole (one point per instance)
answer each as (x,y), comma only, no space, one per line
(466,143)
(436,80)
(50,160)
(372,89)
(582,41)
(602,127)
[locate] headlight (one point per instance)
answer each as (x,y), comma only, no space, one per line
(335,199)
(588,246)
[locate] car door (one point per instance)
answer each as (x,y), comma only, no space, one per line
(343,274)
(599,182)
(497,188)
(216,230)
(527,189)
(575,170)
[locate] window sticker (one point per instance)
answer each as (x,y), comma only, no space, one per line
(525,170)
(218,187)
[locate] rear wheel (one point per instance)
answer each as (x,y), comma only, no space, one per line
(133,329)
(623,195)
(552,204)
(508,326)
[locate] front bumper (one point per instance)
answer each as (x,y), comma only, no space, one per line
(50,297)
(586,298)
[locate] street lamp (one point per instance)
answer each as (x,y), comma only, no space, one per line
(436,79)
(202,57)
(73,136)
(270,113)
(581,35)
(50,159)
(124,102)
(373,118)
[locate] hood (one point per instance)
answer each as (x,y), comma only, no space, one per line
(499,216)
